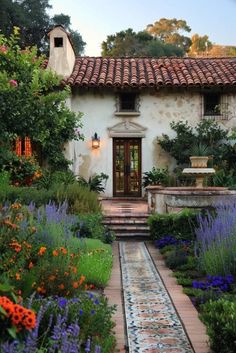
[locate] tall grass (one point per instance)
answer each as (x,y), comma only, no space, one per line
(216,241)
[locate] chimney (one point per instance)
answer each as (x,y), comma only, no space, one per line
(61,54)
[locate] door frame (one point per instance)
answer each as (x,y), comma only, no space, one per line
(125,194)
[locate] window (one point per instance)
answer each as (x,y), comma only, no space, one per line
(127,104)
(23,146)
(212,104)
(215,106)
(58,42)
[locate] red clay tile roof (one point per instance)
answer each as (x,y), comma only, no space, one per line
(149,72)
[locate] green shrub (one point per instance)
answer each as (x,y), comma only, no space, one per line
(176,258)
(26,195)
(95,182)
(80,199)
(90,226)
(220,319)
(180,224)
(186,282)
(156,176)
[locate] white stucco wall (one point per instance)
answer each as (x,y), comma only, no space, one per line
(157,110)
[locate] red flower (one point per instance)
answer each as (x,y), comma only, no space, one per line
(13,83)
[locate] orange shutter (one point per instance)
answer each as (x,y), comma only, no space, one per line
(28,148)
(18,146)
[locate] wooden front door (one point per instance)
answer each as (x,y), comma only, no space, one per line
(127,166)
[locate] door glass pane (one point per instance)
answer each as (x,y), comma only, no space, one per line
(134,167)
(119,167)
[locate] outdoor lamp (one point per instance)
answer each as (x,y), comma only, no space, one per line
(95,141)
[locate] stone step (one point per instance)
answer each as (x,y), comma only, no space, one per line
(132,236)
(127,228)
(125,221)
(127,215)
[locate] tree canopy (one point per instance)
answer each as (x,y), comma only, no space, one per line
(32,18)
(31,104)
(130,43)
(170,31)
(200,44)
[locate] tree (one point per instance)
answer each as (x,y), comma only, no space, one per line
(130,43)
(32,18)
(169,31)
(207,132)
(31,104)
(76,37)
(200,45)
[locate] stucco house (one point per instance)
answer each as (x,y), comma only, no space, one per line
(128,102)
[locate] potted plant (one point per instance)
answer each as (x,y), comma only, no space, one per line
(199,155)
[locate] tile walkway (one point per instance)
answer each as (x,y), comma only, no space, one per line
(159,316)
(152,322)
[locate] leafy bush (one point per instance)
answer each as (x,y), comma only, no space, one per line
(216,241)
(80,198)
(51,178)
(207,132)
(90,226)
(176,258)
(180,224)
(94,182)
(26,195)
(156,176)
(220,319)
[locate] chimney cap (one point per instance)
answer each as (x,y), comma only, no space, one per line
(64,30)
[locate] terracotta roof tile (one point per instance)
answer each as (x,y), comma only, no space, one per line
(148,72)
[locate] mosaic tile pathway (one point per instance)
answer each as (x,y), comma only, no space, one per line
(152,323)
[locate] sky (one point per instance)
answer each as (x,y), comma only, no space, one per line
(96,19)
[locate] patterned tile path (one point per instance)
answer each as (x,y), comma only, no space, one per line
(153,325)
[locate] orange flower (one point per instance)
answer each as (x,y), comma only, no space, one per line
(74,269)
(52,278)
(55,253)
(61,286)
(27,245)
(42,250)
(16,246)
(29,320)
(66,274)
(41,290)
(63,250)
(16,205)
(82,279)
(31,265)
(75,285)
(18,277)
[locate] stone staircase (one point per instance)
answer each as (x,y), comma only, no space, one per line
(127,220)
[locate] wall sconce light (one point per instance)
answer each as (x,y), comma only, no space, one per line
(95,141)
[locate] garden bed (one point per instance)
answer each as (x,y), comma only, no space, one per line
(205,267)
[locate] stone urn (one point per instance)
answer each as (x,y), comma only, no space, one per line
(199,161)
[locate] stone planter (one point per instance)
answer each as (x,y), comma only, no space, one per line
(199,161)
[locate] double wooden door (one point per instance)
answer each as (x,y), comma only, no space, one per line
(127,166)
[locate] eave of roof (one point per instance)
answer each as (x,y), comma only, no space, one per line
(152,72)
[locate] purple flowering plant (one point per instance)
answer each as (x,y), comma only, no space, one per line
(222,283)
(215,245)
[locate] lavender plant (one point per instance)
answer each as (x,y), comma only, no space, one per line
(215,245)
